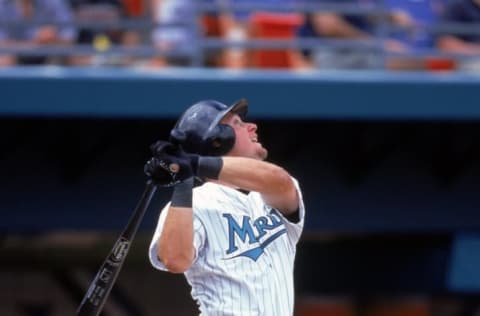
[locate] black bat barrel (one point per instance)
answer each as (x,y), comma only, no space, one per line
(98,291)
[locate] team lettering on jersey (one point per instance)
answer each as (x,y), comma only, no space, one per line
(251,232)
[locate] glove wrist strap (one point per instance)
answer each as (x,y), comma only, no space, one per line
(182,194)
(209,167)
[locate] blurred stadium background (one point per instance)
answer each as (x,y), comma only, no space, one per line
(382,137)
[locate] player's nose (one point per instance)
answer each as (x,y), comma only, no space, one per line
(252,127)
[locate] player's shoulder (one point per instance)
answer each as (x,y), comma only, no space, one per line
(211,192)
(205,187)
(206,192)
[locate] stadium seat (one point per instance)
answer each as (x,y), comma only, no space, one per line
(434,63)
(273,26)
(211,25)
(134,8)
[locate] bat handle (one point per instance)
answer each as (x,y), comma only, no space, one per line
(139,212)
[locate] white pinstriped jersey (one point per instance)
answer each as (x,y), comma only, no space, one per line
(245,253)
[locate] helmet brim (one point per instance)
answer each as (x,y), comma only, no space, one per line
(240,108)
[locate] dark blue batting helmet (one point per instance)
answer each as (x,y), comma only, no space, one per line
(199,129)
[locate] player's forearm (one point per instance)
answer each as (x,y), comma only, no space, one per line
(253,174)
(176,241)
(175,247)
(273,182)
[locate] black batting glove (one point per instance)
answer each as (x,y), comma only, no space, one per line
(188,164)
(174,160)
(160,173)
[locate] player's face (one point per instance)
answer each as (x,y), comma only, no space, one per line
(246,138)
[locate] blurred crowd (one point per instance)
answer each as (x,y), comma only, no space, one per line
(294,34)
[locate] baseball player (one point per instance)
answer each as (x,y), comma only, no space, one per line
(234,234)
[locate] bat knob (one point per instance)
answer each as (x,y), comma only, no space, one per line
(174,167)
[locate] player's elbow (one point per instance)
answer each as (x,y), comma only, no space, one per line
(280,191)
(283,183)
(176,262)
(177,266)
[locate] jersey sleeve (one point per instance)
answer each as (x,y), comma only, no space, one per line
(198,239)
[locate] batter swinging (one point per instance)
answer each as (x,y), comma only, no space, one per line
(235,235)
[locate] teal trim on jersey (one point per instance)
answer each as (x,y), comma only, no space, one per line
(256,252)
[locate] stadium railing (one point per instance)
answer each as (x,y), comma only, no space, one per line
(195,52)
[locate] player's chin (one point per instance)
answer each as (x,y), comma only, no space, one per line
(262,153)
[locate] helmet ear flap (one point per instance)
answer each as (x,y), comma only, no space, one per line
(177,136)
(220,140)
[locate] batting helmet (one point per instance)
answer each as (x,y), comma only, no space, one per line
(199,129)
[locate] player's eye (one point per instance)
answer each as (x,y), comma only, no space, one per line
(238,122)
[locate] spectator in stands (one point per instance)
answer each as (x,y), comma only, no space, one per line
(466,12)
(361,27)
(412,21)
(102,38)
(179,29)
(234,27)
(176,32)
(254,20)
(30,24)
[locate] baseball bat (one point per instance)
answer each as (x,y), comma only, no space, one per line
(100,287)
